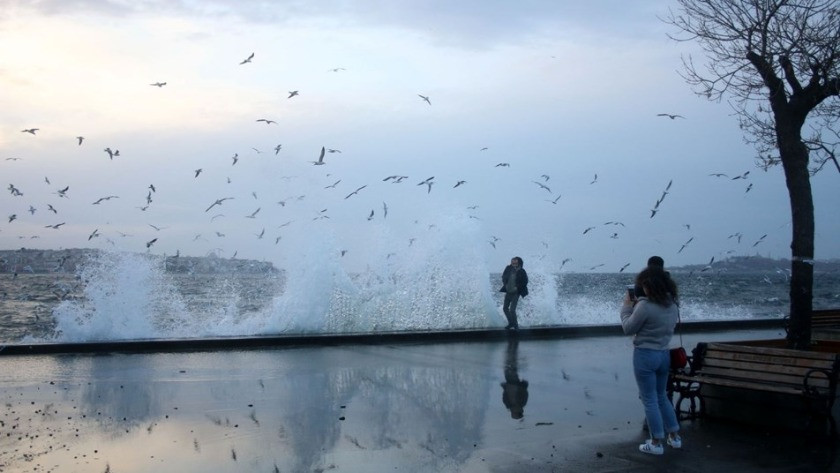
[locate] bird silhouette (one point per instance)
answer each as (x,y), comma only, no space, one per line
(426,99)
(292,93)
(31,131)
(158,84)
(320,160)
(669,115)
(247,60)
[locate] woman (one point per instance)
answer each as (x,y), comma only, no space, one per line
(652,320)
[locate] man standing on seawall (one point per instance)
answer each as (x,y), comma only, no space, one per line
(514,285)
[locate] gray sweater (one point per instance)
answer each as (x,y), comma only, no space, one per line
(652,324)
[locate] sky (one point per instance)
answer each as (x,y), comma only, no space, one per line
(548,111)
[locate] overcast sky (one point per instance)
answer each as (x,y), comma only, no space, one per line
(546,109)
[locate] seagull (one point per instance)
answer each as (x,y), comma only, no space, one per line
(198,171)
(217,202)
(105,198)
(426,99)
(623,268)
(459,183)
(484,148)
(52,209)
(553,201)
(94,234)
(277,149)
(543,186)
(330,150)
(426,181)
(669,115)
(260,234)
(332,186)
(151,242)
(158,84)
(12,217)
(63,192)
(266,121)
(355,192)
(80,138)
(384,210)
(594,179)
(292,93)
(235,159)
(685,244)
(718,174)
(429,184)
(55,227)
(245,61)
(588,229)
(749,187)
(156,227)
(30,130)
(336,69)
(254,215)
(759,240)
(742,176)
(320,160)
(111,153)
(152,188)
(370,217)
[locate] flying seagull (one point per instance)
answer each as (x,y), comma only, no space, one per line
(30,130)
(158,84)
(247,60)
(80,138)
(217,202)
(426,99)
(355,192)
(669,115)
(292,93)
(320,160)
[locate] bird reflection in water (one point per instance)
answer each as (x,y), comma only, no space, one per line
(514,390)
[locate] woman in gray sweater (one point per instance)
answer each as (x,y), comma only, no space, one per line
(651,320)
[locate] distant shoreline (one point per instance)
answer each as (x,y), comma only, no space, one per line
(24,260)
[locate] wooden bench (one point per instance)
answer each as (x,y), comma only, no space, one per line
(825,324)
(810,376)
(825,318)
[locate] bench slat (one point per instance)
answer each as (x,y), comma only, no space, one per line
(785,352)
(747,385)
(764,377)
(795,364)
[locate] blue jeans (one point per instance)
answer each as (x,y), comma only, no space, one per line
(651,370)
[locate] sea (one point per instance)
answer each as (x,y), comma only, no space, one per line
(128,296)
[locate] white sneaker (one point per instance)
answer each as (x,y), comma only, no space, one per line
(652,449)
(675,442)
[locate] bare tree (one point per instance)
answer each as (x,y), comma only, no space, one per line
(777,62)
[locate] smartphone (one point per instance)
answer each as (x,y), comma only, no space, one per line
(631,291)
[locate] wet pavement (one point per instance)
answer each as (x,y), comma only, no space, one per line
(496,405)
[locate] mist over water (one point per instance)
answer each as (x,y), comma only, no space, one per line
(439,282)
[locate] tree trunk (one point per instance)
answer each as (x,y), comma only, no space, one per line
(794,156)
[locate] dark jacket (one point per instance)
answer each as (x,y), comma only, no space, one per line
(521,280)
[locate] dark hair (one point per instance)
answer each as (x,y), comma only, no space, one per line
(661,289)
(656,261)
(521,263)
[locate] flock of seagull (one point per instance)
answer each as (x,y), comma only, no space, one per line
(541,183)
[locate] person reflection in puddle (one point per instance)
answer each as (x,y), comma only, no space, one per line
(514,390)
